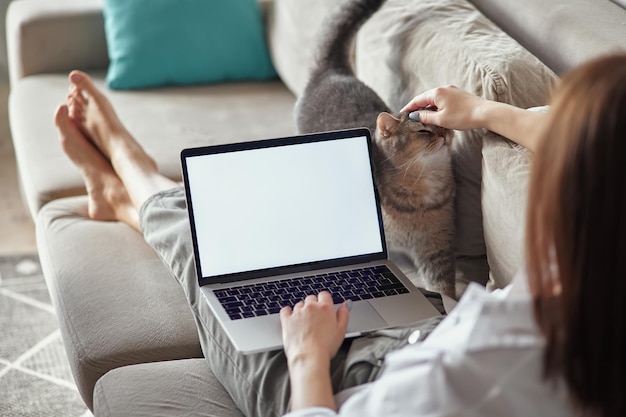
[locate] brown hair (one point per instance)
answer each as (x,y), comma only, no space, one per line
(576,235)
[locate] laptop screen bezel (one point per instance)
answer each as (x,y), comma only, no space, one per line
(268,143)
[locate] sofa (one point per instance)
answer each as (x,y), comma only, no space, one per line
(128,330)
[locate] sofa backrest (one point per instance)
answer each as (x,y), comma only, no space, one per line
(562,33)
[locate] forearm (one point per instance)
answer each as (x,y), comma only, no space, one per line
(519,125)
(310,382)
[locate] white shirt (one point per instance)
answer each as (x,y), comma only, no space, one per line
(484,359)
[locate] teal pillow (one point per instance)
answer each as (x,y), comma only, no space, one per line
(176,42)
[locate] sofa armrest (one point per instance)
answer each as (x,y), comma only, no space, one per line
(46,36)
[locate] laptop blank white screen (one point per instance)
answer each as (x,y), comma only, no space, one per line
(283,205)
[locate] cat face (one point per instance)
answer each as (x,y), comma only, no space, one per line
(403,136)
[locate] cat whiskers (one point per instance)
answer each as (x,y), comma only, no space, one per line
(407,167)
(390,157)
(421,173)
(438,142)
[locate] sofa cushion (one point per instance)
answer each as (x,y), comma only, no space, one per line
(293,28)
(505,178)
(168,389)
(169,42)
(409,47)
(506,171)
(116,304)
(163,120)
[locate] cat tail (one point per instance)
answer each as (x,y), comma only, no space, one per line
(342,26)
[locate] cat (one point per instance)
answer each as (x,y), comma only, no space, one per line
(412,161)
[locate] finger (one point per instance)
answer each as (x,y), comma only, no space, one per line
(425,99)
(343,315)
(325,297)
(298,306)
(310,299)
(414,115)
(285,313)
(427,117)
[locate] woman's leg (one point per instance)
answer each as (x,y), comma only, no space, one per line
(94,115)
(258,383)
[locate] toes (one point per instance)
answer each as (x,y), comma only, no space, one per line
(66,127)
(60,113)
(83,82)
(76,115)
(61,117)
(64,121)
(77,97)
(76,105)
(77,102)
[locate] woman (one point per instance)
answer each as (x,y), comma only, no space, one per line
(576,260)
(547,345)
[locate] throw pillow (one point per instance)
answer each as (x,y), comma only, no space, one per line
(176,42)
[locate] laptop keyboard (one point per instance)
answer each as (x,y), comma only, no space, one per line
(269,297)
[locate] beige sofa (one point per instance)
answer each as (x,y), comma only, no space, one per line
(128,331)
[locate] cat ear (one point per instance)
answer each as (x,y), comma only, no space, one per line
(387,124)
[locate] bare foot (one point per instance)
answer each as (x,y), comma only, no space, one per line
(93,113)
(108,198)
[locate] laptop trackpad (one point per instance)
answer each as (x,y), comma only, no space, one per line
(363,318)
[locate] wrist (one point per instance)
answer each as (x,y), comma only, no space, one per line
(307,357)
(309,374)
(484,114)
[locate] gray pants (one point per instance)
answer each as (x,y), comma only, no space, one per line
(258,383)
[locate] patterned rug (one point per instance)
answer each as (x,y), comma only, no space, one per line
(35,378)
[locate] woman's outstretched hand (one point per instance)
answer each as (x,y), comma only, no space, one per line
(449,107)
(453,108)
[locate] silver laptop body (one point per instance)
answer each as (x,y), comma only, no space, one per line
(281,209)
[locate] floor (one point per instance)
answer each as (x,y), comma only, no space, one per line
(35,378)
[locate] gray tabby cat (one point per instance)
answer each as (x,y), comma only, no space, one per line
(413,167)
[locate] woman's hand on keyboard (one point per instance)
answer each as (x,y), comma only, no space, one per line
(313,326)
(312,334)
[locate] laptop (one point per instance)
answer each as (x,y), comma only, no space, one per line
(275,220)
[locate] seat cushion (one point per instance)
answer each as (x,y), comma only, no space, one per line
(168,389)
(116,302)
